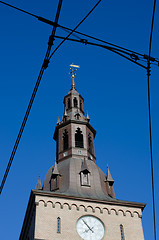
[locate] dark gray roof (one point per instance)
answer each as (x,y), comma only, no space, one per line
(70,169)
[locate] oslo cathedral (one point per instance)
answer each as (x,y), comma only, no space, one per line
(77,200)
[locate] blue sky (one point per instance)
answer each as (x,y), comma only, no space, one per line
(115,93)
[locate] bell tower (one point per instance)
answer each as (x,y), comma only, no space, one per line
(77,199)
(74,134)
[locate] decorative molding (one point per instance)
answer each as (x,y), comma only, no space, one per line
(113,202)
(87,208)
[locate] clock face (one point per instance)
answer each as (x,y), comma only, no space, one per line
(90,228)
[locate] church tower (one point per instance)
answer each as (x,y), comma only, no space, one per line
(77,200)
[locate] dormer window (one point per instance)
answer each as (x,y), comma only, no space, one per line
(65,140)
(78,138)
(84,174)
(55,179)
(75,102)
(55,182)
(85,179)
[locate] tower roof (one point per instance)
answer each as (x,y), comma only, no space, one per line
(75,170)
(70,180)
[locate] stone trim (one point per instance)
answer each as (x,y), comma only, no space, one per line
(113,202)
(86,208)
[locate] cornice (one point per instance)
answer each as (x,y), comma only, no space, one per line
(112,202)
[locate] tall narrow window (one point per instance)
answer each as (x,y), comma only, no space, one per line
(78,138)
(65,140)
(81,107)
(89,143)
(68,103)
(75,102)
(58,225)
(122,232)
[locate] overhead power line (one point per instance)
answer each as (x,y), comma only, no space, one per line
(149,109)
(134,54)
(125,54)
(44,66)
(133,57)
(72,31)
(49,22)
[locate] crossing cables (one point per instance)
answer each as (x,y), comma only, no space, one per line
(43,68)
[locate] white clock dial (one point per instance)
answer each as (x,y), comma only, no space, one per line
(90,228)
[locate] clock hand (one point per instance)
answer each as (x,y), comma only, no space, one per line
(89,229)
(88,226)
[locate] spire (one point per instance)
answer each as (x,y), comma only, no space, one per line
(84,167)
(87,117)
(109,177)
(73,82)
(38,185)
(65,113)
(109,184)
(73,68)
(58,120)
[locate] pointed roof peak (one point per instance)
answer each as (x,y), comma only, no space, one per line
(58,120)
(38,185)
(109,177)
(84,167)
(88,116)
(65,113)
(55,170)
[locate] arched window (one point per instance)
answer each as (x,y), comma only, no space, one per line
(68,103)
(122,232)
(75,102)
(78,138)
(89,143)
(58,225)
(77,116)
(65,140)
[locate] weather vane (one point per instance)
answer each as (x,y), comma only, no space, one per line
(73,68)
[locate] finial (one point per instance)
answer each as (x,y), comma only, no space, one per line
(65,113)
(58,120)
(87,116)
(38,185)
(109,177)
(73,68)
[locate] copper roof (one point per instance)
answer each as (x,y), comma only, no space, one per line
(70,180)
